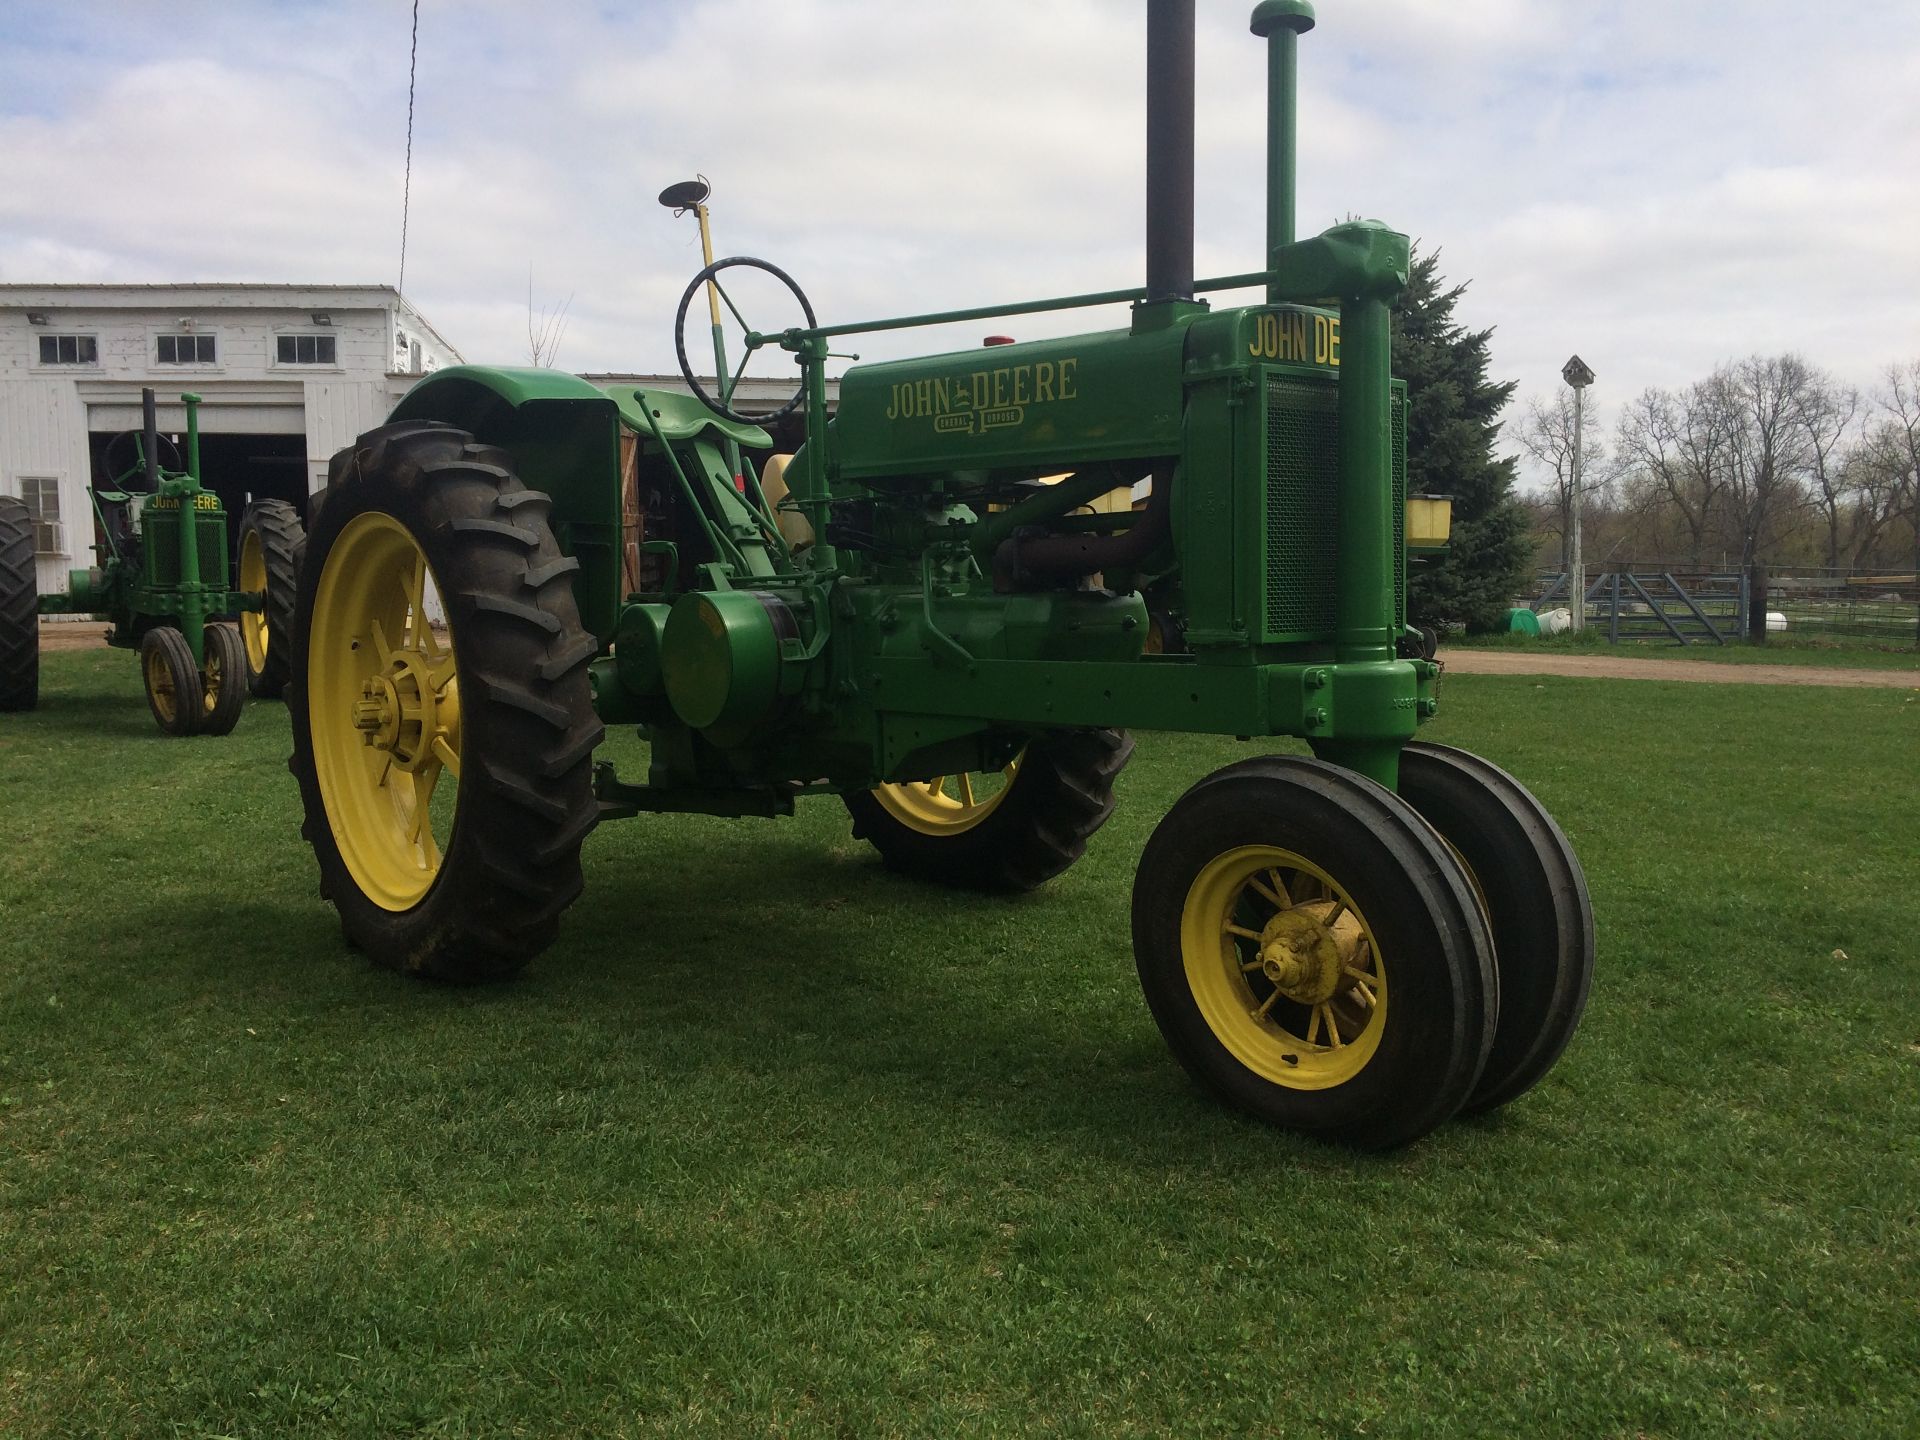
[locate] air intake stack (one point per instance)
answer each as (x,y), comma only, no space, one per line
(1281,23)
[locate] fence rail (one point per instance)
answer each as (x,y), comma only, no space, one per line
(1685,604)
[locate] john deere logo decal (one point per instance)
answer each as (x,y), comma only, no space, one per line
(984,400)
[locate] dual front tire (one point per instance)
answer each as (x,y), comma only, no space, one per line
(1356,964)
(189,699)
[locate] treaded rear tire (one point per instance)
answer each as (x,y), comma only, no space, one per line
(524,801)
(1061,794)
(19,609)
(283,546)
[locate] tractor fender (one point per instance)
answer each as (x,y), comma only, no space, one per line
(563,435)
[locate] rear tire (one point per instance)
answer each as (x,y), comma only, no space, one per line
(272,545)
(172,680)
(1060,791)
(383,708)
(19,609)
(1536,902)
(1313,953)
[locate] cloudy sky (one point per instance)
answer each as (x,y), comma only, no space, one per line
(1657,184)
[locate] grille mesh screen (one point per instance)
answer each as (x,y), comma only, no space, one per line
(160,535)
(1302,512)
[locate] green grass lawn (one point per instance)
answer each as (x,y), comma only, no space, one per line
(774,1143)
(1779,649)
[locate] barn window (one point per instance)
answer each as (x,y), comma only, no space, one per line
(69,350)
(42,495)
(184,350)
(304,349)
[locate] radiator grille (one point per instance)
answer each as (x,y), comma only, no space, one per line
(1302,511)
(160,537)
(1302,515)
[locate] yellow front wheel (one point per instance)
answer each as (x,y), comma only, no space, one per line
(172,680)
(442,726)
(1313,952)
(1009,829)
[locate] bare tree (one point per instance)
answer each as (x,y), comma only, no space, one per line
(1826,412)
(1671,445)
(1899,401)
(1546,435)
(1766,446)
(1873,481)
(545,331)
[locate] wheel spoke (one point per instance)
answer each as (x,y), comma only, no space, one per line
(715,283)
(414,586)
(1313,1023)
(1339,909)
(1365,991)
(380,645)
(966,789)
(1333,1030)
(423,783)
(1285,898)
(1266,1005)
(448,756)
(1242,931)
(1255,884)
(421,830)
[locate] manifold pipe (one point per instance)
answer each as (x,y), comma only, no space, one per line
(1169,150)
(1036,561)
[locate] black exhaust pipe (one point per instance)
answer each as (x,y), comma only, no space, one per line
(1169,150)
(150,437)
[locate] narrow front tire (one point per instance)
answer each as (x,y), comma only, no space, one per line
(1313,954)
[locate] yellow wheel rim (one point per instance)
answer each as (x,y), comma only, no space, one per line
(211,674)
(383,706)
(253,578)
(948,804)
(159,678)
(1283,967)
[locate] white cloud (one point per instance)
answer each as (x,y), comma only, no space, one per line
(1659,187)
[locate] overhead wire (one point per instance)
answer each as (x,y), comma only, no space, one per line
(406,189)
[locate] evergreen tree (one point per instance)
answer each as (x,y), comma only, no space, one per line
(1453,418)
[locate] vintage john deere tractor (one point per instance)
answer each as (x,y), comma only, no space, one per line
(1356,944)
(161,578)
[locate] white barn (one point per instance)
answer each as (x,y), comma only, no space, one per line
(288,374)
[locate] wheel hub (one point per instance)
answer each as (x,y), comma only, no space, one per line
(1304,956)
(399,712)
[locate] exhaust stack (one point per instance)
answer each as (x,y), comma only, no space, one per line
(1169,150)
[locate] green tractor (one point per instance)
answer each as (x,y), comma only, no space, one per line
(914,615)
(160,580)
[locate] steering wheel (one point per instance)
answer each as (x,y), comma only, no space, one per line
(117,459)
(687,372)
